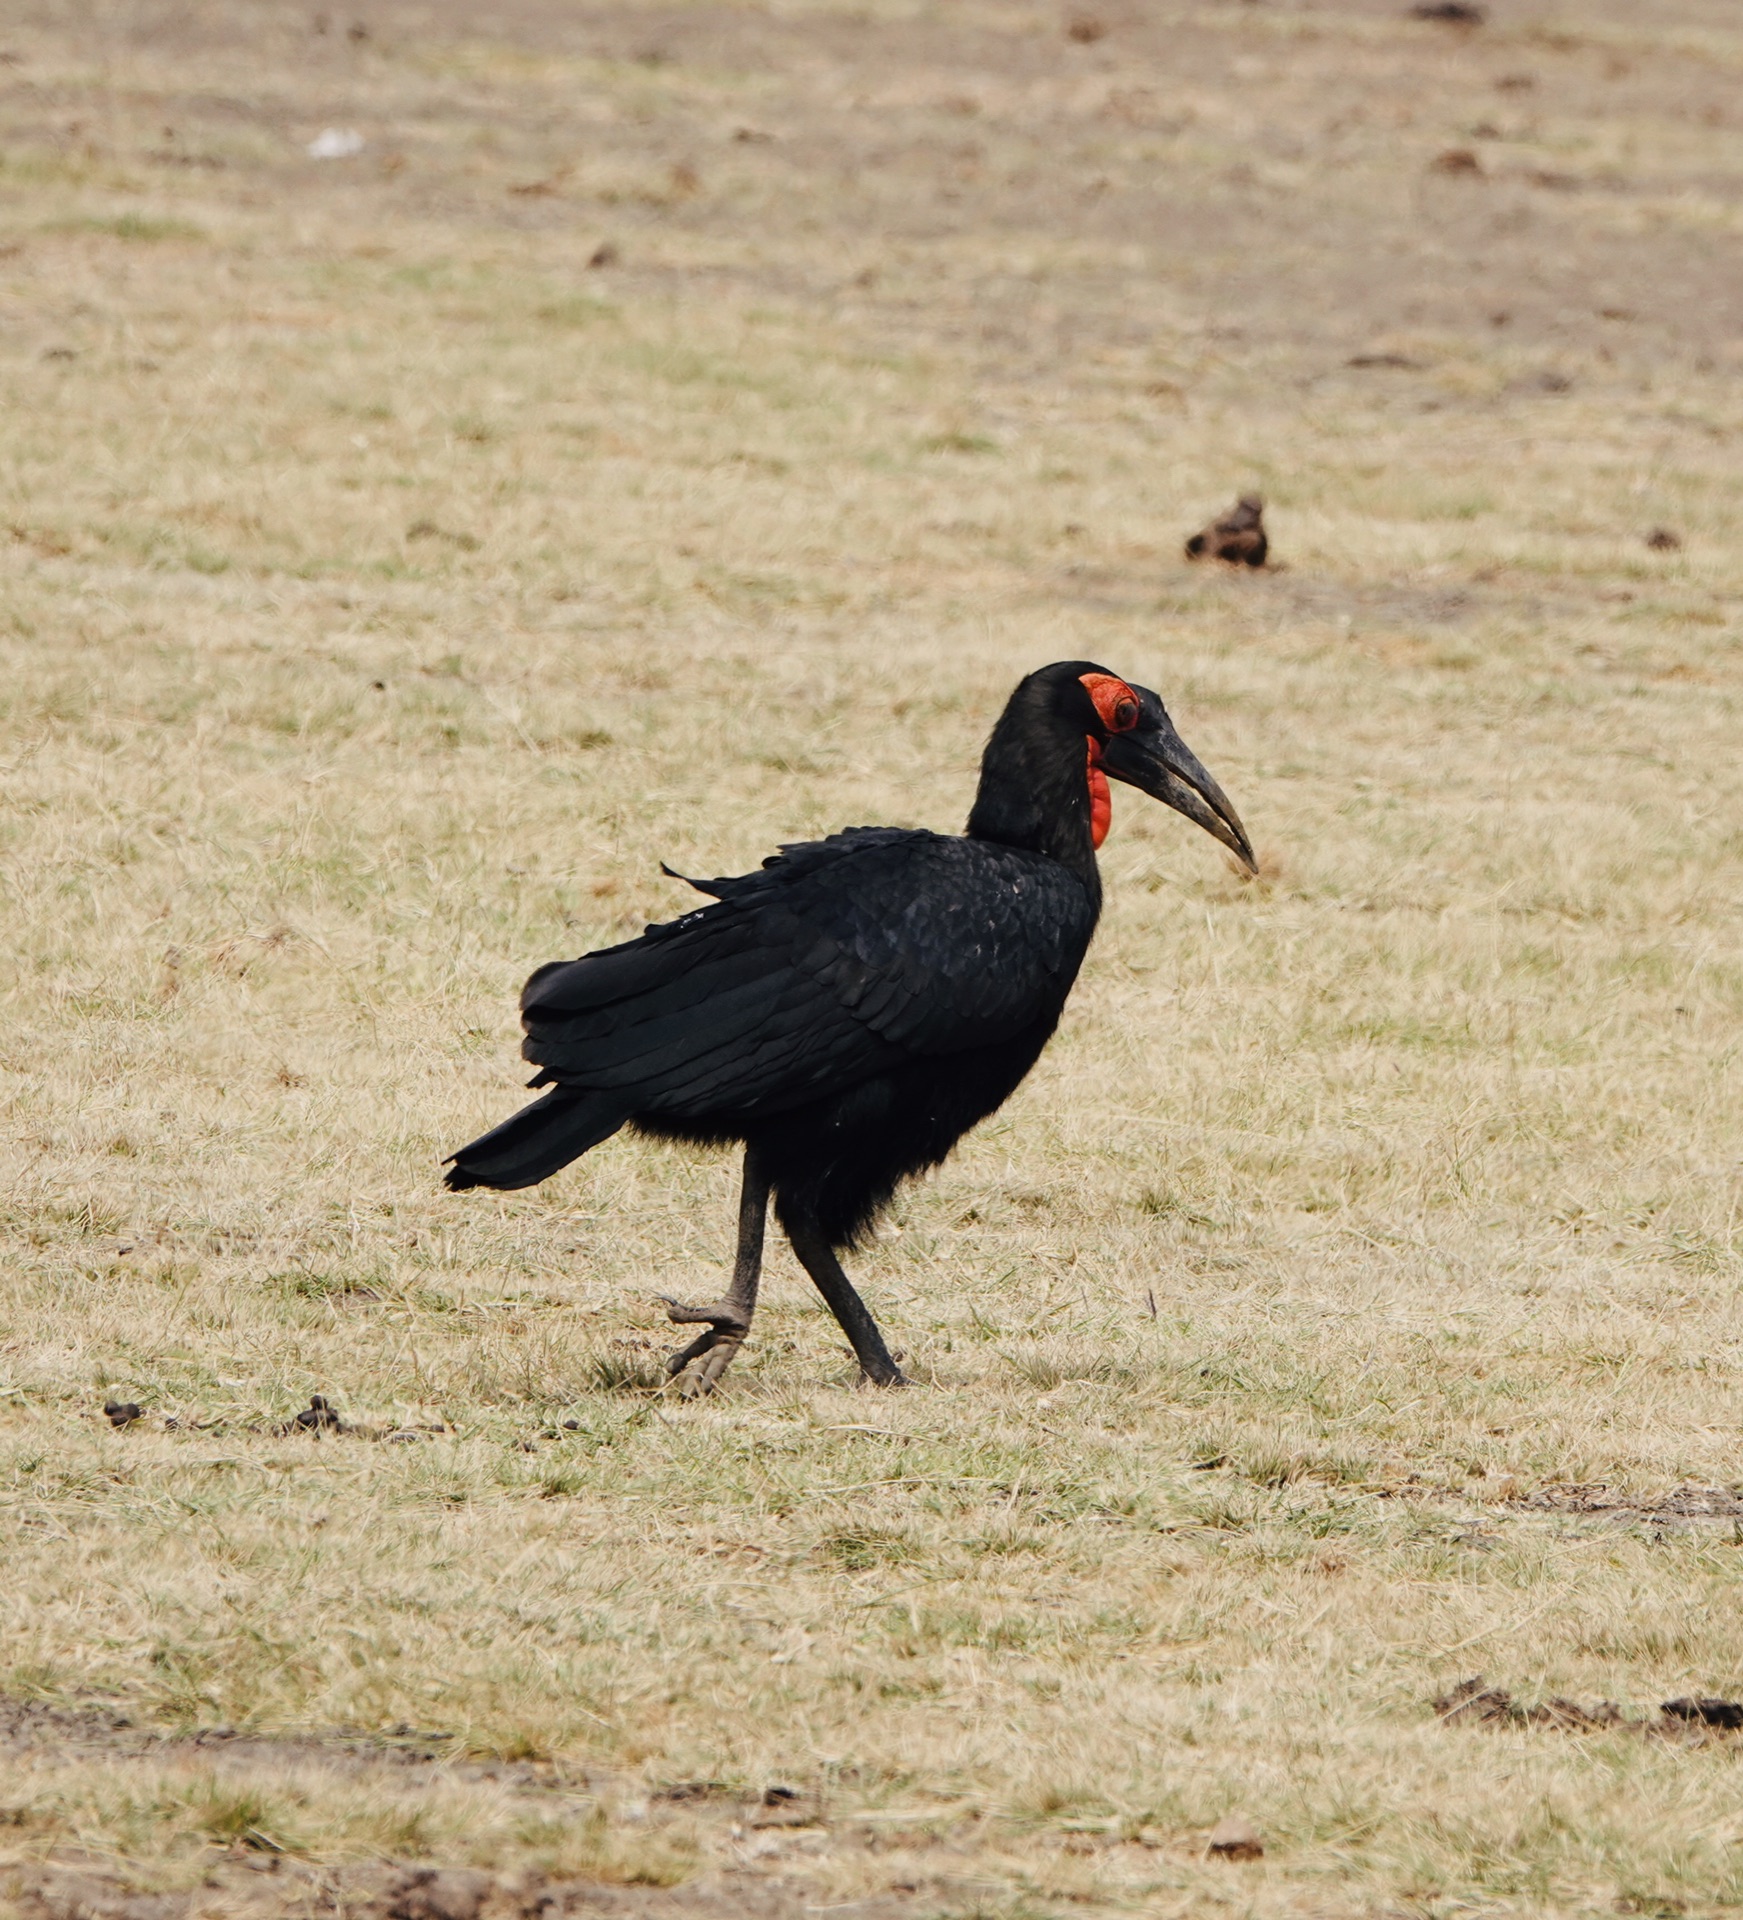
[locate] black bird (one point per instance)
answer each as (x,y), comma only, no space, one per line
(852,1009)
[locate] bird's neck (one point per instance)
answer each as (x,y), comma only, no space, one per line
(1034,794)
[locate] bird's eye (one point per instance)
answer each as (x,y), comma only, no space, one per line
(1116,705)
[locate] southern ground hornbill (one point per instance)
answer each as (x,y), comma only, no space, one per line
(852,1009)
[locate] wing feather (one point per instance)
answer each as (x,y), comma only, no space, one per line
(837,960)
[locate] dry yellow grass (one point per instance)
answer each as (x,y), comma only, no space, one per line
(386,591)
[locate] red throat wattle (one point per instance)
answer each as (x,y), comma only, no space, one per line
(1117,705)
(1101,801)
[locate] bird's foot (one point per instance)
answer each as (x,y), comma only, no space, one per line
(725,1327)
(893,1377)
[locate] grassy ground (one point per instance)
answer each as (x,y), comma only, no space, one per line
(1349,1302)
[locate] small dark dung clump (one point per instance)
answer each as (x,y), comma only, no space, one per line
(1234,1837)
(1237,536)
(1706,1713)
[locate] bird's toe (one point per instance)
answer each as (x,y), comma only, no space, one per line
(705,1377)
(676,1362)
(712,1351)
(722,1315)
(894,1378)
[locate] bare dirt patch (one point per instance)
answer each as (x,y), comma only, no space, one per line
(273,1889)
(1686,1503)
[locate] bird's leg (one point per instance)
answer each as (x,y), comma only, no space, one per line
(728,1319)
(817,1257)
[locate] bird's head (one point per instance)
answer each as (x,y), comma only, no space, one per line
(1127,736)
(1131,738)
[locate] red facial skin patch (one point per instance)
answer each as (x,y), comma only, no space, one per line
(1114,701)
(1101,802)
(1117,705)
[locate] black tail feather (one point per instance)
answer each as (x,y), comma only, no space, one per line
(534,1143)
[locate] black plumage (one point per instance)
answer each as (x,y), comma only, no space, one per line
(853,1008)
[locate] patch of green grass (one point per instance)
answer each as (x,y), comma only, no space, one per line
(959,443)
(131,226)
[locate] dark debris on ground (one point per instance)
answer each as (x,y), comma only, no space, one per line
(1475,1702)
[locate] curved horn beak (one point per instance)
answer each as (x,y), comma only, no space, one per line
(1154,759)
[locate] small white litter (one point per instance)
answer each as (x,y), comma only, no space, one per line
(336,143)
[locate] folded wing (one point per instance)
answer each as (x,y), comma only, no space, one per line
(839,959)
